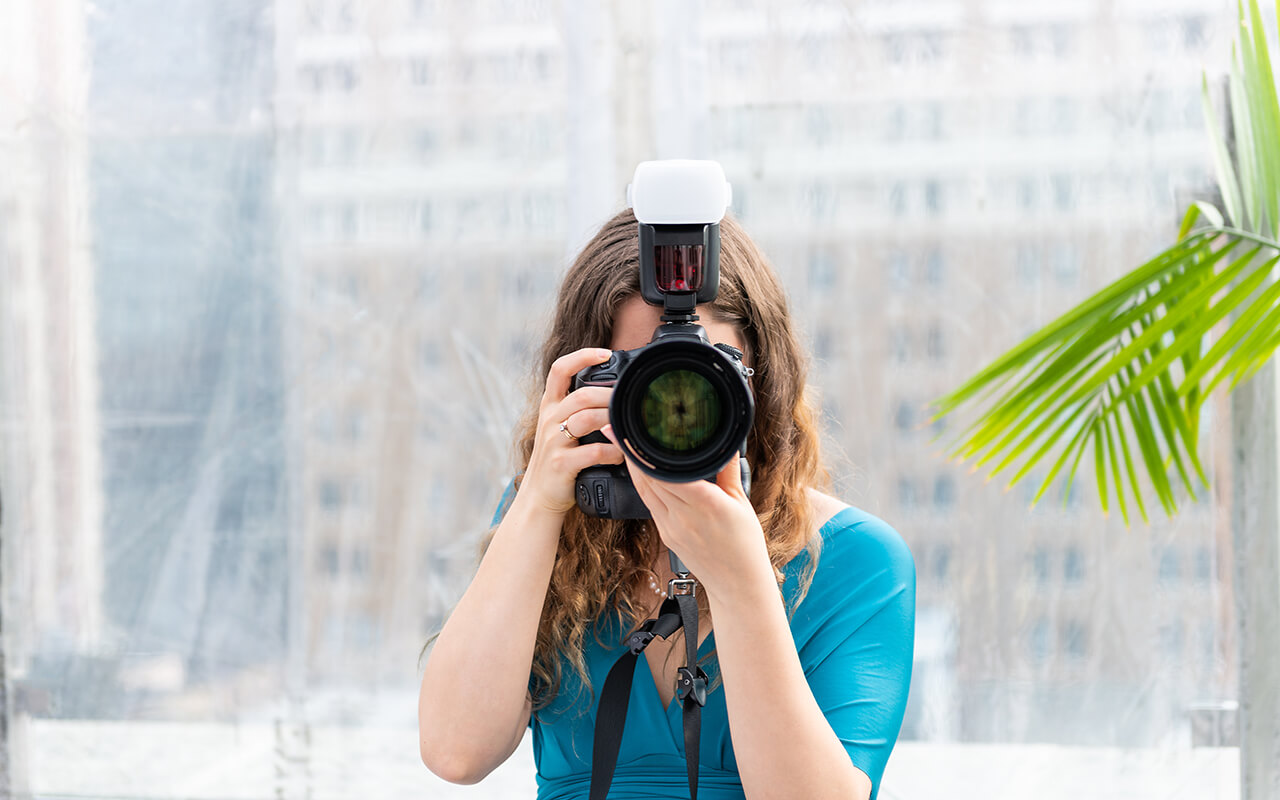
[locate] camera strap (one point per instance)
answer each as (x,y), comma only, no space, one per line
(679,610)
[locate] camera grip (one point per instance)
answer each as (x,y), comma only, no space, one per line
(606,491)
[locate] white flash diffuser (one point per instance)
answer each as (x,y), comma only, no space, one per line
(679,192)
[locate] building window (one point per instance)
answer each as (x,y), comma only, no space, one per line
(424,143)
(821,202)
(908,498)
(1204,564)
(328,560)
(904,416)
(933,198)
(823,343)
(900,344)
(1028,195)
(361,631)
(933,268)
(1066,264)
(324,425)
(330,494)
(329,78)
(1022,41)
(1208,644)
(422,12)
(941,563)
(1075,640)
(1193,35)
(1038,641)
(944,492)
(1073,565)
(931,125)
(431,354)
(1027,265)
(1171,635)
(1170,565)
(818,126)
(1064,192)
(822,270)
(354,425)
(1064,116)
(899,270)
(1061,39)
(424,217)
(1040,558)
(359,561)
(421,72)
(898,198)
(896,123)
(936,348)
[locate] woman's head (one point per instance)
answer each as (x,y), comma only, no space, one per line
(600,562)
(604,282)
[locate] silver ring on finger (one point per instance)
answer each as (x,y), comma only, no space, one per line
(565,431)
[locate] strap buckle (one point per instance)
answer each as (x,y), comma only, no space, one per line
(682,587)
(692,681)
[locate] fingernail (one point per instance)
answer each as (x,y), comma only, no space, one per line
(603,353)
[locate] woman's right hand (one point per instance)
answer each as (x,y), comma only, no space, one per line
(556,459)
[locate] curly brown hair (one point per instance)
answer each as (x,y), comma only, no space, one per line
(602,566)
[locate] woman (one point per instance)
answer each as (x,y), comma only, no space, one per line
(807,605)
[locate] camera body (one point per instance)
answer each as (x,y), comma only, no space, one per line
(606,490)
(681,407)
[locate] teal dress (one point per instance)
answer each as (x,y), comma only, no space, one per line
(854,634)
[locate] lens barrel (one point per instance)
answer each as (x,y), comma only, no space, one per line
(681,408)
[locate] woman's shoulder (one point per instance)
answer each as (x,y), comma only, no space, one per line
(863,565)
(853,538)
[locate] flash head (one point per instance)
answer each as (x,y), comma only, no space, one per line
(679,191)
(678,204)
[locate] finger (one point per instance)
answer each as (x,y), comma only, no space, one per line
(560,378)
(691,494)
(643,484)
(586,397)
(580,423)
(729,477)
(576,459)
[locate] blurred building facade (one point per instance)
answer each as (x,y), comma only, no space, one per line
(414,219)
(181,148)
(52,503)
(922,192)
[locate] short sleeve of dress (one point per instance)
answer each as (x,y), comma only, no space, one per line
(855,634)
(508,494)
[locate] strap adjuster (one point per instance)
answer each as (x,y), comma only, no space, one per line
(638,641)
(689,681)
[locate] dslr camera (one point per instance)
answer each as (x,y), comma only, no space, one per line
(681,407)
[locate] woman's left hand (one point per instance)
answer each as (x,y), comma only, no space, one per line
(712,527)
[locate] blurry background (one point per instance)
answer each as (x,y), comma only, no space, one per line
(271,280)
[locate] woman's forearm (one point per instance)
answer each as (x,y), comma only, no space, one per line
(474,685)
(784,746)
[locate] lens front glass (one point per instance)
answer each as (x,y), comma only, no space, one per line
(680,410)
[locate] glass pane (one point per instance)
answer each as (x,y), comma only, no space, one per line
(273,280)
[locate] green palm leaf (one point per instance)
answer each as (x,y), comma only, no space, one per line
(1127,370)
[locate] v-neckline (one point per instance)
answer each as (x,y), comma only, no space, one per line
(653,682)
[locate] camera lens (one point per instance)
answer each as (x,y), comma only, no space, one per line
(682,408)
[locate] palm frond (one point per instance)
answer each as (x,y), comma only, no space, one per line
(1127,371)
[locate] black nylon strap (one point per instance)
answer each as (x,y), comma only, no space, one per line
(614,699)
(675,613)
(692,709)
